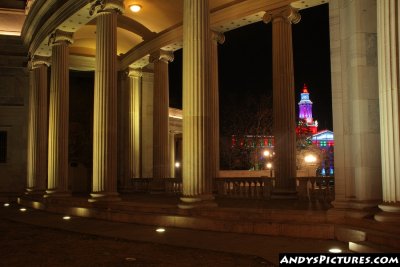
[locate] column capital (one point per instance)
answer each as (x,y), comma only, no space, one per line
(108,6)
(287,13)
(59,36)
(217,37)
(134,73)
(162,55)
(37,61)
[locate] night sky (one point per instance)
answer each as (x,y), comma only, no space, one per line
(245,64)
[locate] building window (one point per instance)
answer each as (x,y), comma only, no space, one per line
(3,146)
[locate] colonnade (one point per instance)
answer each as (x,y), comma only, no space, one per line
(367,157)
(200,110)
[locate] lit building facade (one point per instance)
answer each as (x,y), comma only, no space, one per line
(305,111)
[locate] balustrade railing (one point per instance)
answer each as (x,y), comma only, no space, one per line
(311,188)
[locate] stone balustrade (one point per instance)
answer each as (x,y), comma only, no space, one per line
(311,188)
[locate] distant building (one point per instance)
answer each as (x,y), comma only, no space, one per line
(325,141)
(305,111)
(306,126)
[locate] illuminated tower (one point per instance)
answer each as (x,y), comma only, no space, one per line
(305,111)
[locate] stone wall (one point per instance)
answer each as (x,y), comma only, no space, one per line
(14,83)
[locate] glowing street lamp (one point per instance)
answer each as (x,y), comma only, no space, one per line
(266,153)
(311,161)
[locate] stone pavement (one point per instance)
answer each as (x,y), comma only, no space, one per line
(267,247)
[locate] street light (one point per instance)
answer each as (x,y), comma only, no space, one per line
(311,161)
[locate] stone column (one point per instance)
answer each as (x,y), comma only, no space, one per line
(172,153)
(389,91)
(134,119)
(37,126)
(147,124)
(57,184)
(105,101)
(197,183)
(355,107)
(216,38)
(161,166)
(283,100)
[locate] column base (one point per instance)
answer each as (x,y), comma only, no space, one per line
(390,213)
(283,194)
(34,192)
(56,194)
(200,201)
(352,209)
(104,197)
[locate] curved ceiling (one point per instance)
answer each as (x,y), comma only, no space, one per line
(158,25)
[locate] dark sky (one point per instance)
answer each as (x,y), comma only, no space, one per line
(245,64)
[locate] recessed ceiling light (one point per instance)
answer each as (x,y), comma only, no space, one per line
(6,204)
(135,8)
(335,250)
(22,209)
(66,217)
(160,230)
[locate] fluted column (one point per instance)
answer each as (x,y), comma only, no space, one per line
(105,101)
(389,91)
(147,124)
(197,183)
(134,107)
(161,166)
(37,126)
(216,38)
(283,100)
(57,183)
(172,154)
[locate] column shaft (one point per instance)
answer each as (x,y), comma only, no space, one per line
(105,105)
(172,154)
(283,100)
(161,163)
(355,107)
(58,117)
(37,129)
(134,118)
(214,104)
(389,90)
(196,119)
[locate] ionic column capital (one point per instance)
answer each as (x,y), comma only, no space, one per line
(162,55)
(218,37)
(59,36)
(134,73)
(287,13)
(109,6)
(37,61)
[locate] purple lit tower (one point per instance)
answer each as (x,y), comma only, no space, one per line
(305,110)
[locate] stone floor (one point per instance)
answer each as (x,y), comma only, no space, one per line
(203,247)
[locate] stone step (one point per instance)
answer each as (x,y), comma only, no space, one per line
(361,237)
(370,247)
(345,234)
(191,219)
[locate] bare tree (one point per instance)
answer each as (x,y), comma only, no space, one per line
(248,121)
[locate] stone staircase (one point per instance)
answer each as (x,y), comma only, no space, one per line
(369,236)
(287,223)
